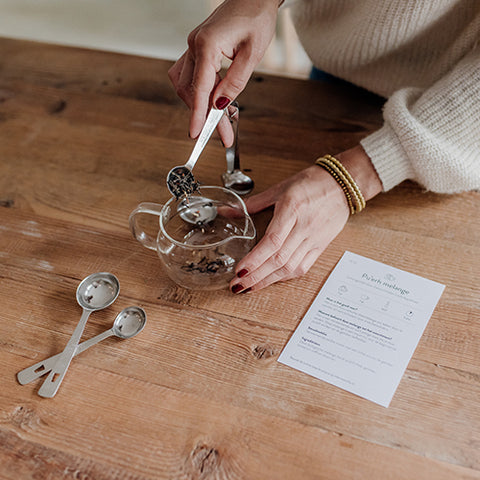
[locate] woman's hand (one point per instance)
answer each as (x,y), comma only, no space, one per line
(239,30)
(310,210)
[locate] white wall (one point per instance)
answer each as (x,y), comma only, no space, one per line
(156,28)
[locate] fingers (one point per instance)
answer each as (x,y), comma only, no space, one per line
(235,79)
(226,132)
(261,201)
(175,71)
(301,269)
(280,252)
(237,30)
(298,265)
(195,75)
(194,80)
(280,266)
(180,75)
(204,77)
(197,98)
(301,228)
(277,245)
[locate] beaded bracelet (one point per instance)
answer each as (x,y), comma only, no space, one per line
(355,199)
(352,182)
(346,179)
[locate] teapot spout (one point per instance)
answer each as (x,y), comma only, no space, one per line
(250,231)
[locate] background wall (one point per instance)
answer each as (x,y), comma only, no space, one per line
(156,28)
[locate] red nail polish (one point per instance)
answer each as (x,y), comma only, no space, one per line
(222,102)
(237,288)
(242,273)
(246,290)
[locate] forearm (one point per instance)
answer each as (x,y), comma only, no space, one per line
(432,135)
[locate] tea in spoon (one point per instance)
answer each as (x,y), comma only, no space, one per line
(180,179)
(95,292)
(128,323)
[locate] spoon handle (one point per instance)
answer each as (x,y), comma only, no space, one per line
(210,124)
(232,154)
(33,372)
(51,384)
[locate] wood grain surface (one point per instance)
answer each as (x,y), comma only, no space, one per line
(84,137)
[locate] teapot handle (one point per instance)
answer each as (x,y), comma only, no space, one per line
(133,220)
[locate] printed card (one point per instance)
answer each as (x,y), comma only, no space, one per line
(363,327)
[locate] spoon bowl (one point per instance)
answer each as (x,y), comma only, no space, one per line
(98,291)
(197,210)
(129,322)
(238,181)
(180,180)
(234,178)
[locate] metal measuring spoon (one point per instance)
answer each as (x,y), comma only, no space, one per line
(128,323)
(234,179)
(95,292)
(180,179)
(197,210)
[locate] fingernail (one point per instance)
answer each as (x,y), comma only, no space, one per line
(246,290)
(237,288)
(242,273)
(222,102)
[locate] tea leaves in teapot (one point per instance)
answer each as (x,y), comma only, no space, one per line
(217,264)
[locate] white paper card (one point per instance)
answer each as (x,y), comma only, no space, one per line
(363,327)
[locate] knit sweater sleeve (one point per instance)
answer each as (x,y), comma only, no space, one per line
(432,136)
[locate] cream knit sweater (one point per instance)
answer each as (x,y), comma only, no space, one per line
(424,57)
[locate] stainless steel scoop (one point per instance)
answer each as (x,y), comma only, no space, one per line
(95,292)
(197,210)
(234,179)
(128,323)
(180,179)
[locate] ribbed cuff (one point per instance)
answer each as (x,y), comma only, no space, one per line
(388,157)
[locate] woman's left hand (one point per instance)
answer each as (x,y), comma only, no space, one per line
(310,210)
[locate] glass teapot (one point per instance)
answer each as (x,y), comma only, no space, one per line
(201,238)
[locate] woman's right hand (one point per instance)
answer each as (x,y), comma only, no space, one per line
(240,30)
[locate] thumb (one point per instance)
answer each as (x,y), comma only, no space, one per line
(235,80)
(261,201)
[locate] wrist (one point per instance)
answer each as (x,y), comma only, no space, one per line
(353,195)
(355,174)
(361,168)
(328,189)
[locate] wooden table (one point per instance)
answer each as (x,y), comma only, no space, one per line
(84,137)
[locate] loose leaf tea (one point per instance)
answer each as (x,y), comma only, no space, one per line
(181,182)
(220,264)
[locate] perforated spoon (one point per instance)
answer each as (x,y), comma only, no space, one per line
(128,323)
(180,179)
(95,292)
